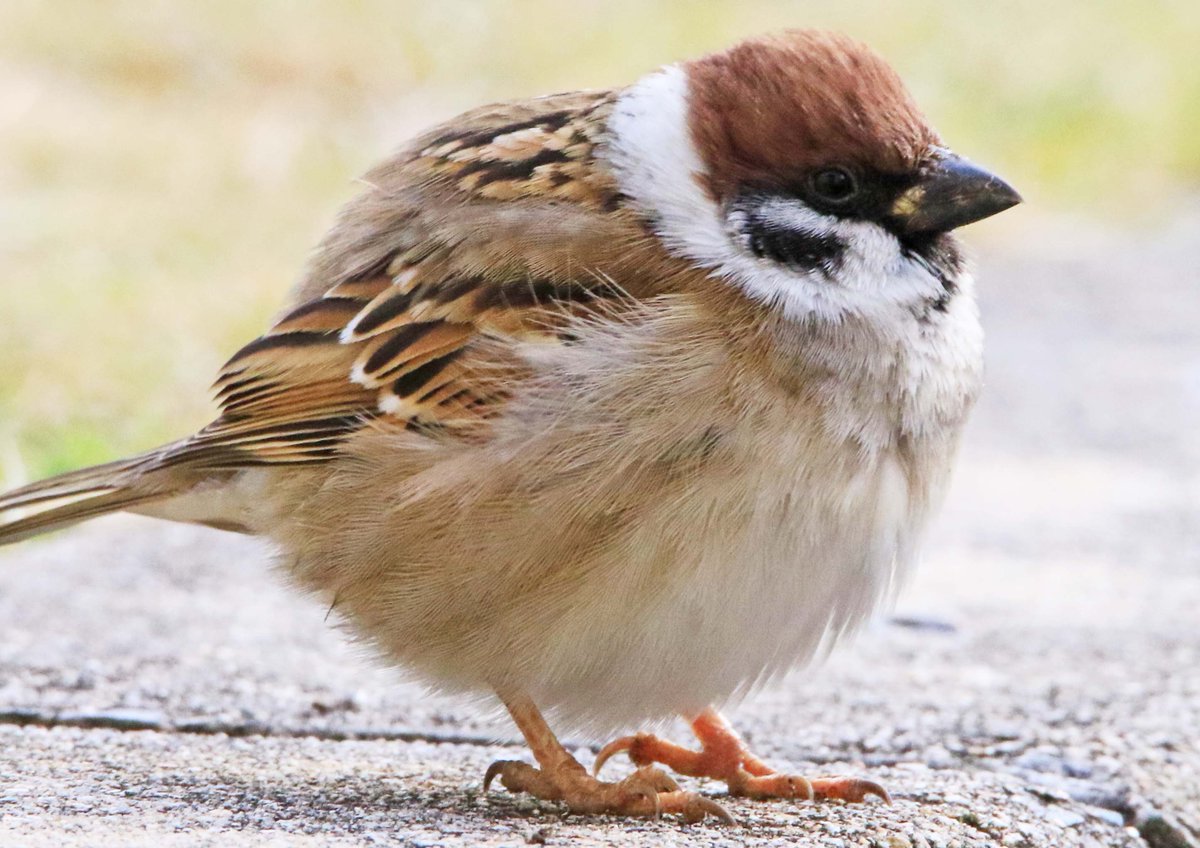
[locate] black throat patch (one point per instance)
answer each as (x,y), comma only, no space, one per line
(940,255)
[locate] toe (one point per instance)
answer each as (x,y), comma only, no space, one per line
(655,778)
(762,787)
(516,776)
(852,789)
(693,808)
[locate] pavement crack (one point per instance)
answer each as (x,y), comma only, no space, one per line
(146,720)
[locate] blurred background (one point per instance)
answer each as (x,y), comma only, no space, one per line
(165,167)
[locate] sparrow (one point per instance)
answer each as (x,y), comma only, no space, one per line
(614,405)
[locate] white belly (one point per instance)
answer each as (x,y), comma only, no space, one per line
(775,573)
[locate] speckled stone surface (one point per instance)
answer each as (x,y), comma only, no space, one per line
(1039,686)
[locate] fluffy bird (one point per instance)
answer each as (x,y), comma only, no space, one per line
(615,404)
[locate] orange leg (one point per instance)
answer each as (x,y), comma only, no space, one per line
(647,792)
(723,756)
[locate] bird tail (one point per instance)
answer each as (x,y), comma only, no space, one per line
(77,496)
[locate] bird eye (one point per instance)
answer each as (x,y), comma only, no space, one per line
(834,185)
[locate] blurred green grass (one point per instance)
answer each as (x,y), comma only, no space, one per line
(167,166)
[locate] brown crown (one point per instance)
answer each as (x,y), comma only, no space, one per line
(770,110)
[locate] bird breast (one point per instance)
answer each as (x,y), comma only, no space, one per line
(656,524)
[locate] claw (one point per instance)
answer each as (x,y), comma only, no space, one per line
(710,807)
(854,790)
(492,771)
(614,747)
(655,803)
(870,787)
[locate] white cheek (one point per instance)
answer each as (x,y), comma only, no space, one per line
(659,168)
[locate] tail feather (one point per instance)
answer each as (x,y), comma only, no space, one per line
(56,517)
(73,497)
(96,478)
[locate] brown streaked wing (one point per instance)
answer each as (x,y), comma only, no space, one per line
(426,360)
(407,337)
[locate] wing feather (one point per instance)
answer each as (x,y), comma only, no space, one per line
(492,232)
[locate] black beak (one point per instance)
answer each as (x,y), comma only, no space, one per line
(948,194)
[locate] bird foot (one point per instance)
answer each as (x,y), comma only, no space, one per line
(648,792)
(723,756)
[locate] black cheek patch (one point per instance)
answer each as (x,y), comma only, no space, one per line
(769,237)
(795,248)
